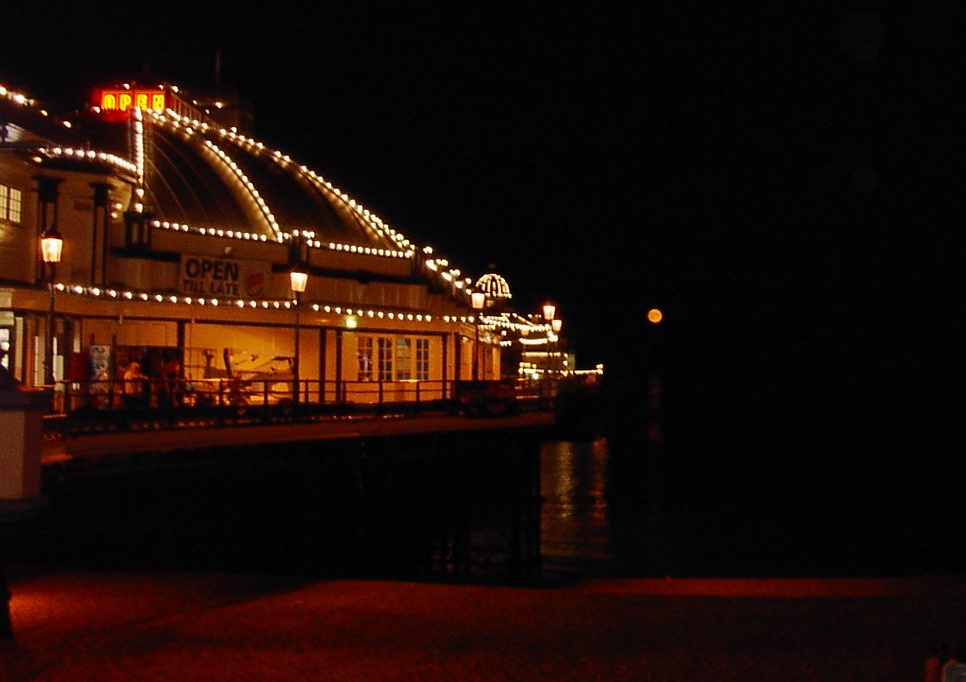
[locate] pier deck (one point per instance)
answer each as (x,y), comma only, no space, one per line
(61,449)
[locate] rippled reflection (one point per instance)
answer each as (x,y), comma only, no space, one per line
(575,518)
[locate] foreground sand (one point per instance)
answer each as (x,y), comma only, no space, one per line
(119,626)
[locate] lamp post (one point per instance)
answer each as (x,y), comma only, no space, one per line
(549,311)
(478,299)
(556,324)
(51,248)
(299,278)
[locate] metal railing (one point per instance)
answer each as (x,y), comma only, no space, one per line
(123,405)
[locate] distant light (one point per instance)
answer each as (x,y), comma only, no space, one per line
(654,316)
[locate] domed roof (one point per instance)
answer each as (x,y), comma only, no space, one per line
(197,172)
(494,286)
(190,172)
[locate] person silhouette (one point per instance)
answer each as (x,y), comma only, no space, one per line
(135,383)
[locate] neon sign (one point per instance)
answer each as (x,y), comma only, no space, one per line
(119,101)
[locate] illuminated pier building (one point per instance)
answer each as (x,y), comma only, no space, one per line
(180,234)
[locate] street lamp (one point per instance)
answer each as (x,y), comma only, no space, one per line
(51,247)
(478,299)
(556,324)
(299,278)
(549,310)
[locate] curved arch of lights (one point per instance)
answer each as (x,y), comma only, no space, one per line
(433,264)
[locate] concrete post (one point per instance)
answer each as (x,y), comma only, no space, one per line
(21,423)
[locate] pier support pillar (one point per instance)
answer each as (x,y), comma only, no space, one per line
(21,423)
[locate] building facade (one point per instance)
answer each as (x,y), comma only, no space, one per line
(180,235)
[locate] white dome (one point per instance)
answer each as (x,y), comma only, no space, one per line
(494,286)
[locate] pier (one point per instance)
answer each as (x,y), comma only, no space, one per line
(389,490)
(88,443)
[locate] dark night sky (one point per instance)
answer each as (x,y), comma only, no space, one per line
(743,170)
(786,181)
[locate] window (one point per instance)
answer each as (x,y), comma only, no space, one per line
(422,359)
(365,358)
(404,358)
(11,204)
(388,358)
(5,347)
(385,358)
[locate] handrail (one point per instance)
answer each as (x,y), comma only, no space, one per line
(122,405)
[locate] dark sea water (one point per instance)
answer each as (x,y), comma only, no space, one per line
(801,441)
(611,512)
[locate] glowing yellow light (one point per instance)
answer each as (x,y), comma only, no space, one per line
(654,316)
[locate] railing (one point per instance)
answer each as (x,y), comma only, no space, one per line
(123,405)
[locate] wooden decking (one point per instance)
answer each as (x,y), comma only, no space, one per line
(59,449)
